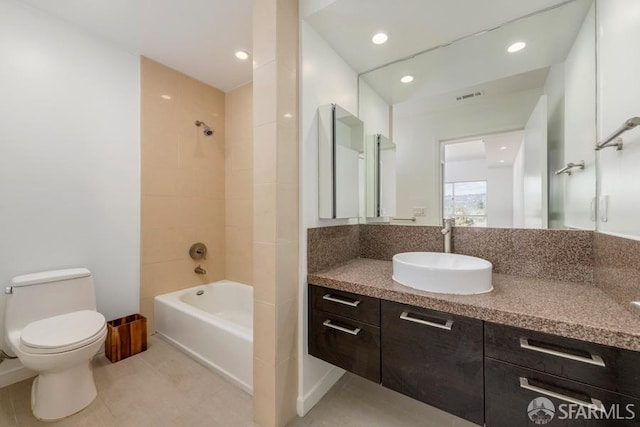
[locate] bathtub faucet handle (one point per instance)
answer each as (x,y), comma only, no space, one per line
(200,270)
(198,251)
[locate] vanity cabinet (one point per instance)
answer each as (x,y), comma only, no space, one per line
(511,390)
(484,372)
(434,357)
(344,331)
(523,365)
(430,356)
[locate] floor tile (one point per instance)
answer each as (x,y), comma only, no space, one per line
(356,402)
(161,387)
(164,387)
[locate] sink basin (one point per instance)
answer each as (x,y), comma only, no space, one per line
(443,273)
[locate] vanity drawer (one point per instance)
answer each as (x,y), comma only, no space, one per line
(510,390)
(434,357)
(351,345)
(346,304)
(602,366)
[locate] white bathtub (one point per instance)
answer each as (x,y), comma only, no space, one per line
(215,327)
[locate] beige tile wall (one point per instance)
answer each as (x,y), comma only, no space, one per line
(239,184)
(276,210)
(183,182)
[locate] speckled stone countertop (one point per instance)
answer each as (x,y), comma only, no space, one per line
(573,310)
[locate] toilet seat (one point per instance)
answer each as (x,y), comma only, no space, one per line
(63,333)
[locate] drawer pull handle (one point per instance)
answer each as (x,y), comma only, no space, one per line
(328,324)
(331,298)
(447,325)
(593,360)
(595,403)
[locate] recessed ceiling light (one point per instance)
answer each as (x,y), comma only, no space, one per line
(242,55)
(288,115)
(165,96)
(406,79)
(503,148)
(501,161)
(516,47)
(380,38)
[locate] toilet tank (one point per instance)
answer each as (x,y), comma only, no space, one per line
(40,295)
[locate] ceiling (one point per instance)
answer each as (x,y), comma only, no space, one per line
(196,37)
(417,25)
(496,155)
(464,151)
(493,90)
(498,150)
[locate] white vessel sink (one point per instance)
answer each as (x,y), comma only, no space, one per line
(443,273)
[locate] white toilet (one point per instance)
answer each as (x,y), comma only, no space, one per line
(52,325)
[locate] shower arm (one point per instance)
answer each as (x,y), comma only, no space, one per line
(207,129)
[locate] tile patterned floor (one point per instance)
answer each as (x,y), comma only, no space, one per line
(356,402)
(162,387)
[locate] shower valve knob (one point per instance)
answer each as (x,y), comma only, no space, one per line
(198,251)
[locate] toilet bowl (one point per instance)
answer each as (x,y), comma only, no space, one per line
(53,328)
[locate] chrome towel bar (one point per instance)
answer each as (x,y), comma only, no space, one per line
(568,169)
(613,140)
(412,219)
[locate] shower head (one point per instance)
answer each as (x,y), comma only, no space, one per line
(207,130)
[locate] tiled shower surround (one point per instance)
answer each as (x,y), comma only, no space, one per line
(609,262)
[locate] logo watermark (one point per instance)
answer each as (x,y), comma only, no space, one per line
(542,411)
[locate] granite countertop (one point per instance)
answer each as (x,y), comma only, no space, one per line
(569,309)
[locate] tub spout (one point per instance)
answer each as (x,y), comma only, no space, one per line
(200,270)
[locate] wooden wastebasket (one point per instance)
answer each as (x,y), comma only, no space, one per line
(126,336)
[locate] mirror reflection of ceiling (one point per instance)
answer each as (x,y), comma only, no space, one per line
(463,151)
(499,150)
(468,64)
(412,25)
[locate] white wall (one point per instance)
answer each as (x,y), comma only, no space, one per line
(417,138)
(618,87)
(373,111)
(388,183)
(580,126)
(466,170)
(518,189)
(554,89)
(500,196)
(535,167)
(326,79)
(69,156)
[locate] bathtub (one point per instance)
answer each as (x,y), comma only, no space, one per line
(214,324)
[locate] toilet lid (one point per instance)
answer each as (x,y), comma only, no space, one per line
(64,330)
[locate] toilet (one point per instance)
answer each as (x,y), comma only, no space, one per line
(52,326)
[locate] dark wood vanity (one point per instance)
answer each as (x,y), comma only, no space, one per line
(484,372)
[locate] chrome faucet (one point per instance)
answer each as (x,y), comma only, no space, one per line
(446,232)
(200,270)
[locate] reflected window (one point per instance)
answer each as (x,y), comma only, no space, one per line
(466,203)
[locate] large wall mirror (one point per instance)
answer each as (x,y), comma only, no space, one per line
(493,120)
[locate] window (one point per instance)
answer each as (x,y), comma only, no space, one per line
(466,202)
